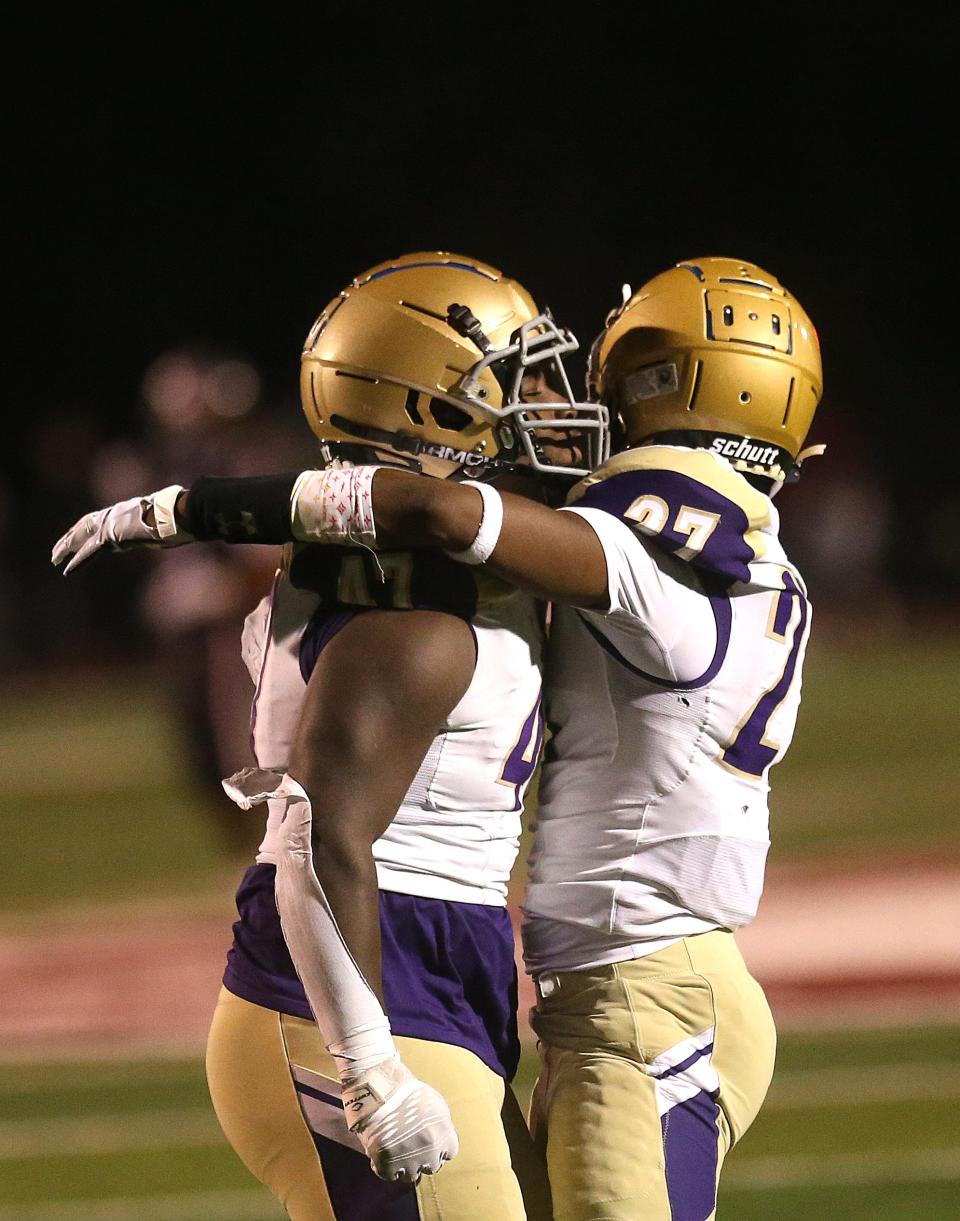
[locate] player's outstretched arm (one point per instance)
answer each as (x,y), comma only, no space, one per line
(552,554)
(143,521)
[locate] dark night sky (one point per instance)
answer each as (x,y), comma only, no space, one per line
(184,177)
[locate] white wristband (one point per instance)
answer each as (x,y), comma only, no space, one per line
(488,534)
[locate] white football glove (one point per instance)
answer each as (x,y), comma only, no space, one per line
(403,1124)
(123,525)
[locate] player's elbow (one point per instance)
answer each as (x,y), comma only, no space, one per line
(421,512)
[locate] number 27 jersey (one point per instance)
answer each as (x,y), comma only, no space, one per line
(668,710)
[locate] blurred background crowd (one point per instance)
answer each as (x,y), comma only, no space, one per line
(185,216)
(202,408)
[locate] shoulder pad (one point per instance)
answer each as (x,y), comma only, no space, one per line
(688,502)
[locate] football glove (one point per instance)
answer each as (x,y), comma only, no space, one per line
(403,1124)
(121,526)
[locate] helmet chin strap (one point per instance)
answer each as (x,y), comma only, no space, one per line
(369,435)
(462,320)
(358,454)
(812,451)
(466,323)
(378,436)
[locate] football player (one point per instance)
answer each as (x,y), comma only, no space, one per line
(673,684)
(398,693)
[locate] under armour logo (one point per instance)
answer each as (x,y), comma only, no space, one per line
(230,529)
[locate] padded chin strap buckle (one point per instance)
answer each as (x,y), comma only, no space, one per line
(812,451)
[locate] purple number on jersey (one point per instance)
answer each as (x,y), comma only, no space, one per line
(750,752)
(521,762)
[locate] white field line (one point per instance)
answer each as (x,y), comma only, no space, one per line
(72,1136)
(750,1174)
(210,1205)
(837,1170)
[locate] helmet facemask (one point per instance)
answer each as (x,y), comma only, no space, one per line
(536,346)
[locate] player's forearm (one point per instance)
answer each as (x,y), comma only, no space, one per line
(348,1012)
(411,511)
(553,555)
(347,874)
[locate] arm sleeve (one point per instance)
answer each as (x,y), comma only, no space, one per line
(244,510)
(354,1027)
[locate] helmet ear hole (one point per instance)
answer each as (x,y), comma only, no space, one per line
(447,416)
(411,408)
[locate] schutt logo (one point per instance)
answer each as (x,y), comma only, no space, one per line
(742,449)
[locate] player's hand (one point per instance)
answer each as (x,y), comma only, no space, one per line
(403,1124)
(144,521)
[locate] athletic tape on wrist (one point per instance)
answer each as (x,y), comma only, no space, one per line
(334,506)
(488,533)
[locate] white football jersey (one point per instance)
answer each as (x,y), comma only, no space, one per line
(457,833)
(667,712)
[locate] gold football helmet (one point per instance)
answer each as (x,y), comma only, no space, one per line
(423,358)
(713,353)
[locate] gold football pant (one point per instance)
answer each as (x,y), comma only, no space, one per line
(277,1096)
(651,1070)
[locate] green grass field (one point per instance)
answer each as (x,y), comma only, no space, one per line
(860,1124)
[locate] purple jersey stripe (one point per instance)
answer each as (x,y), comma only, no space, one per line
(684,1064)
(318,633)
(723,618)
(355,1191)
(318,1094)
(726,554)
(781,619)
(690,1156)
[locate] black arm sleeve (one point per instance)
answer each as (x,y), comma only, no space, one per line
(251,510)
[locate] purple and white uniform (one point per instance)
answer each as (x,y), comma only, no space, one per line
(443,864)
(668,711)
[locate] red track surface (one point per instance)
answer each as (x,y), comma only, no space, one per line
(875,946)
